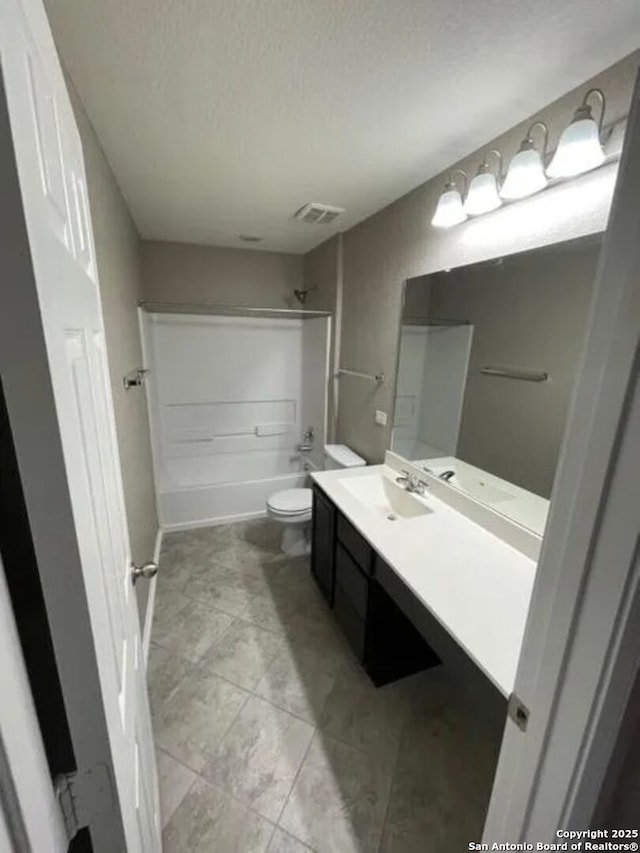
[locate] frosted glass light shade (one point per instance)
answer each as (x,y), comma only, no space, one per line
(450,210)
(578,151)
(525,176)
(483,195)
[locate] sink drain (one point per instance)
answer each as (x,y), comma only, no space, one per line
(391,516)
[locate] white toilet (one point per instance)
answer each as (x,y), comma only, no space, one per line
(292,507)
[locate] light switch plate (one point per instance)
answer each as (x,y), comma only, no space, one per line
(380,417)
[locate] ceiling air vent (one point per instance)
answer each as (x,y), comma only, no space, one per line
(318,214)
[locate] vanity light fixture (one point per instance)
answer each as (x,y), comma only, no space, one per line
(450,210)
(580,148)
(483,195)
(526,174)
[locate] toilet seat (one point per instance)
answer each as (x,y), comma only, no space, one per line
(291,503)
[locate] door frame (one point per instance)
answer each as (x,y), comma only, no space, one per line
(32,414)
(579,657)
(29,816)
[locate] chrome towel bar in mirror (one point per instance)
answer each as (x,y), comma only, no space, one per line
(515,373)
(374,377)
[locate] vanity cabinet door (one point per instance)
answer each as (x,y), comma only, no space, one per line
(323,528)
(351,595)
(352,624)
(351,580)
(355,544)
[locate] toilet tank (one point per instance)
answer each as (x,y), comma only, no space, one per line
(341,456)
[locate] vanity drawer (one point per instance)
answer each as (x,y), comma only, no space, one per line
(354,584)
(355,544)
(352,624)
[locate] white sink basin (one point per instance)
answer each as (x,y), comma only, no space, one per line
(383,497)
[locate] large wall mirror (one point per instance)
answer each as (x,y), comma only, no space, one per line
(488,357)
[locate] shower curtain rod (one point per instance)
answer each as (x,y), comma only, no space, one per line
(227,310)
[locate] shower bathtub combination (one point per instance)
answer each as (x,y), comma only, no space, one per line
(231,393)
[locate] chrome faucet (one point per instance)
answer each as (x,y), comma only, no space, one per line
(307,441)
(411,483)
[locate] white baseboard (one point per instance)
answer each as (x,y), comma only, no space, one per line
(213,522)
(151,600)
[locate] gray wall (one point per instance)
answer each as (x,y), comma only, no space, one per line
(531,311)
(320,268)
(398,243)
(117,256)
(185,272)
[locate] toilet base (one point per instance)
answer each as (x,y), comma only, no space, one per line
(295,540)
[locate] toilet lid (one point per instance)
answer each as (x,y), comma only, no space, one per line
(291,501)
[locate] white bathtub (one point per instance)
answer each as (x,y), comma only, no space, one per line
(194,492)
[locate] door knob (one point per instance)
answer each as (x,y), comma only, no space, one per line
(146,571)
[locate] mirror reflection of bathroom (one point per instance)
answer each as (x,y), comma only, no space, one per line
(487,360)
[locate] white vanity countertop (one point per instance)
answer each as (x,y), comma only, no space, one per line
(477,586)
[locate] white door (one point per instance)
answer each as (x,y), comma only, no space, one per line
(53,188)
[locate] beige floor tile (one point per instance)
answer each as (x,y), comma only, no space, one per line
(165,671)
(260,533)
(243,653)
(190,724)
(224,588)
(272,609)
(192,631)
(209,821)
(443,778)
(299,681)
(228,598)
(282,842)
(396,841)
(175,779)
(254,546)
(259,757)
(339,799)
(302,623)
(364,716)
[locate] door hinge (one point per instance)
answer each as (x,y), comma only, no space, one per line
(518,712)
(82,796)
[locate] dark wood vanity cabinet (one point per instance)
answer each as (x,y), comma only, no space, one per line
(344,567)
(392,633)
(323,527)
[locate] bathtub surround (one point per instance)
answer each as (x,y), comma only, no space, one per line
(271,738)
(231,398)
(432,373)
(118,261)
(398,243)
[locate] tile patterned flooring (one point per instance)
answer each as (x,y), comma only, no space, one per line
(270,737)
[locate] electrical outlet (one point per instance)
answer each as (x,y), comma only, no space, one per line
(380,417)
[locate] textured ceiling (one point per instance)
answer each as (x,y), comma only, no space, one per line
(222,117)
